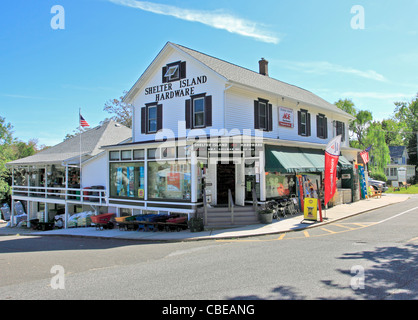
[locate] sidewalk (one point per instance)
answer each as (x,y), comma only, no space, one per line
(284,225)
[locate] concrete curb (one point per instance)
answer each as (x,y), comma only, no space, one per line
(287,225)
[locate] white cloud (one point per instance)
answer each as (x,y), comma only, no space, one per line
(323,67)
(216,19)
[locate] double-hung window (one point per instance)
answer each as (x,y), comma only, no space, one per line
(304,123)
(340,129)
(199,112)
(321,126)
(263,115)
(152,119)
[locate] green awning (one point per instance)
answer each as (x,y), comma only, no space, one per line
(344,163)
(316,157)
(297,160)
(290,160)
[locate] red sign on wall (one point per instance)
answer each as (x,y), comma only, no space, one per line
(286,117)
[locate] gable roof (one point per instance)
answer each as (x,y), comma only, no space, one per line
(92,140)
(240,75)
(396,151)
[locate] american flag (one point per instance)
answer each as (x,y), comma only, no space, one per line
(365,155)
(83,122)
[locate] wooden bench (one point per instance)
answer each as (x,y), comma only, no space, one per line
(375,193)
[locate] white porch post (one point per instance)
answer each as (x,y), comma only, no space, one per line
(146,175)
(193,177)
(66,216)
(46,181)
(28,182)
(262,177)
(12,217)
(46,214)
(66,182)
(29,211)
(12,204)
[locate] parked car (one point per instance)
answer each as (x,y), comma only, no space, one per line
(378,185)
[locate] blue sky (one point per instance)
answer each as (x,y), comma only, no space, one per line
(47,74)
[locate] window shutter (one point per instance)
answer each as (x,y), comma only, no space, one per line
(208,111)
(299,123)
(164,72)
(188,113)
(318,127)
(270,119)
(325,128)
(183,70)
(343,131)
(256,116)
(159,117)
(308,124)
(143,120)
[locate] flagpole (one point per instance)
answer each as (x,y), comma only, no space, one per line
(79,122)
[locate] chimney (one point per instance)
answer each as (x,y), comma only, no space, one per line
(264,67)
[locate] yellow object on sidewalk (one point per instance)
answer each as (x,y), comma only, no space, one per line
(310,209)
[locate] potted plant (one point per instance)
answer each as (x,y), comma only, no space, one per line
(196,224)
(265,215)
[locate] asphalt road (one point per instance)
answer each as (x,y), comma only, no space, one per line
(369,256)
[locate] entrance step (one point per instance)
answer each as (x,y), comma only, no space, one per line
(220,217)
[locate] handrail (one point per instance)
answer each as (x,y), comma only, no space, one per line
(205,208)
(64,193)
(231,205)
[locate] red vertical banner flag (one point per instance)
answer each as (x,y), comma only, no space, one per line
(332,154)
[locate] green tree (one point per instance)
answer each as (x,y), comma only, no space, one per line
(358,126)
(365,133)
(11,149)
(347,105)
(407,114)
(121,111)
(379,153)
(6,155)
(22,149)
(394,132)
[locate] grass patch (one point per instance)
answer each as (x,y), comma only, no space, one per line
(411,190)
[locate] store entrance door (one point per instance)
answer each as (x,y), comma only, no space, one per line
(225,180)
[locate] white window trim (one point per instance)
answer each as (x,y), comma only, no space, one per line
(262,124)
(194,113)
(304,124)
(171,73)
(149,119)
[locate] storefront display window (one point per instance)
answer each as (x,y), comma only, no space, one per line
(169,180)
(310,184)
(279,185)
(252,179)
(127,180)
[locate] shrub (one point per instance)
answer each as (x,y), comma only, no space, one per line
(378,175)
